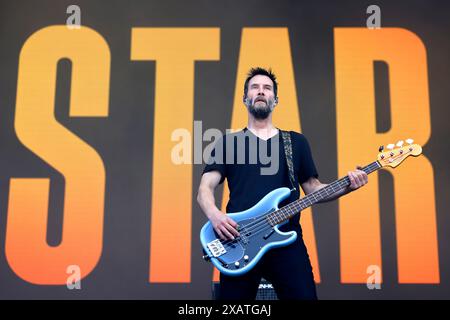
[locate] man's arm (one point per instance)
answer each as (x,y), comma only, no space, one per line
(223,225)
(358,178)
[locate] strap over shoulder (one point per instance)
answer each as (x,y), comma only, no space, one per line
(287,142)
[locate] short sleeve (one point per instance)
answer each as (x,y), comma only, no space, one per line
(216,160)
(307,167)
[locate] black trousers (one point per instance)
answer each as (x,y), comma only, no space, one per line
(287,268)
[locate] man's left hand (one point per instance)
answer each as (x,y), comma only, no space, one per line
(358,178)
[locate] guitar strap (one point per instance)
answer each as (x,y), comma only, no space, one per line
(288,152)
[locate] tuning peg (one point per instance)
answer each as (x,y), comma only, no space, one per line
(380,149)
(390,146)
(400,143)
(410,141)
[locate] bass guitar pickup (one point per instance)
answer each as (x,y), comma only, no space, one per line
(268,234)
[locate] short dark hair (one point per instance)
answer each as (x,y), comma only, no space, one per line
(261,71)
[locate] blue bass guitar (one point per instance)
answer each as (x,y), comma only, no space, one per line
(259,225)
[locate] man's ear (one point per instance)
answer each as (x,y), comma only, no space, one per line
(276,100)
(244,99)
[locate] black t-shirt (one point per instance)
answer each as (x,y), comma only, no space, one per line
(246,181)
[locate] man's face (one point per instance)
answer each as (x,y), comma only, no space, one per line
(260,99)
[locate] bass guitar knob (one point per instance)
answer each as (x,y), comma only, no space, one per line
(237,264)
(246,258)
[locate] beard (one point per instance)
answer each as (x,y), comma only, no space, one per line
(263,110)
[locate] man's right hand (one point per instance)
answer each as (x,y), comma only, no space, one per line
(224,226)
